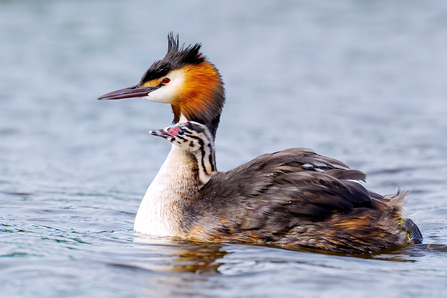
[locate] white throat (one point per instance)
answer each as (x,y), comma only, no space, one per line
(182,118)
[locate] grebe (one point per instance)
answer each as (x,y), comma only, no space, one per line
(293,198)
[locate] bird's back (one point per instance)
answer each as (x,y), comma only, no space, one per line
(297,198)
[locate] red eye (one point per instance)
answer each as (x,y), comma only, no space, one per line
(166,80)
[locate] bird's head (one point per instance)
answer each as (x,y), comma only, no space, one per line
(186,80)
(190,136)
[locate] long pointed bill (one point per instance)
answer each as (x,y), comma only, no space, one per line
(130,92)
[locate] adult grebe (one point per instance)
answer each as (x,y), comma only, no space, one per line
(293,198)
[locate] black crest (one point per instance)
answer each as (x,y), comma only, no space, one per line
(176,58)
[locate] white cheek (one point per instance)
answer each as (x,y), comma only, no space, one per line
(169,92)
(164,95)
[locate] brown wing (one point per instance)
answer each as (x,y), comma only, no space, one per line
(277,191)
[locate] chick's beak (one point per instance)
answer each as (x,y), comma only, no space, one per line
(130,92)
(160,133)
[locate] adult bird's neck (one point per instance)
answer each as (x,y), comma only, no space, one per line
(161,210)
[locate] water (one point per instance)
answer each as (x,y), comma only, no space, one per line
(361,81)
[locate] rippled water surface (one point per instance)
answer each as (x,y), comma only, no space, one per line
(362,81)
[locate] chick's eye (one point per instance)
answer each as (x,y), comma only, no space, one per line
(165,80)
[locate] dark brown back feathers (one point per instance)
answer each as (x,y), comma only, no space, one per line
(296,198)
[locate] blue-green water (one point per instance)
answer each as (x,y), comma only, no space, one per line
(362,81)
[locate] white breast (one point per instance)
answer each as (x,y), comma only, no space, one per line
(158,213)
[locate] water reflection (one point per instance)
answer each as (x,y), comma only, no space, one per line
(436,247)
(170,255)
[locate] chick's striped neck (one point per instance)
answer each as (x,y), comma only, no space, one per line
(206,163)
(197,139)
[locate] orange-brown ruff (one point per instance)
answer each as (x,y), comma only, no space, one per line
(203,77)
(293,198)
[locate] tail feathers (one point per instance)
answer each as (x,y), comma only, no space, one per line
(413,232)
(396,206)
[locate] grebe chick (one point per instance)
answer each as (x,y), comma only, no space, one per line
(292,198)
(197,139)
(274,200)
